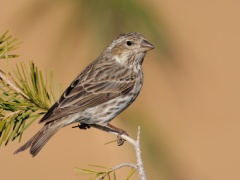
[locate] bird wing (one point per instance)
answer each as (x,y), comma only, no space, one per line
(86,92)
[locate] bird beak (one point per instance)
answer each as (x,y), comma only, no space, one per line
(146,46)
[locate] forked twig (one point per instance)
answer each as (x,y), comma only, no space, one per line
(136,143)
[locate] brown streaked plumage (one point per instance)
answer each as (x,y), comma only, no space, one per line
(100,92)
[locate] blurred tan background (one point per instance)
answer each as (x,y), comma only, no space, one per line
(188,108)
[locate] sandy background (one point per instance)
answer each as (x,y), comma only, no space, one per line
(188,109)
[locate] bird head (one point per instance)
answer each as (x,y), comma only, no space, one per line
(129,48)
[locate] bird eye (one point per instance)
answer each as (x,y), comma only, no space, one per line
(129,43)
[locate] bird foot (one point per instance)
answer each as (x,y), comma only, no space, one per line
(82,126)
(120,140)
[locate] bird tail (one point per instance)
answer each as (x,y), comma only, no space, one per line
(37,142)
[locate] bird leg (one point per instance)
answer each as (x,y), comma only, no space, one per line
(108,128)
(120,140)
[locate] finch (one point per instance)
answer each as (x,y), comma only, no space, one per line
(100,92)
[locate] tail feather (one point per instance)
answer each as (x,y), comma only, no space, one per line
(37,142)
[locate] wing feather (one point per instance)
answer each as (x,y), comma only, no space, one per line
(90,92)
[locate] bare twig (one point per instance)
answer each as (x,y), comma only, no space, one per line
(141,171)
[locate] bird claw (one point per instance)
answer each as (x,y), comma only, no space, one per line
(120,140)
(82,126)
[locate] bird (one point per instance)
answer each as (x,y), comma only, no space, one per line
(105,88)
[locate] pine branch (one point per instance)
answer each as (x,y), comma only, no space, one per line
(7,44)
(24,96)
(23,100)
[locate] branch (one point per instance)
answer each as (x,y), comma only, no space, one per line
(136,144)
(24,97)
(7,44)
(116,168)
(13,86)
